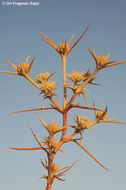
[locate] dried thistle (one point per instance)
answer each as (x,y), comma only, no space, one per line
(47,88)
(63,48)
(43,77)
(76,77)
(22,69)
(50,145)
(102,60)
(102,116)
(87,74)
(82,123)
(50,142)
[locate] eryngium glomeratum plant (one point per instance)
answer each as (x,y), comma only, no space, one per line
(42,81)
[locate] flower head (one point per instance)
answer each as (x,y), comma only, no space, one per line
(82,123)
(64,47)
(76,77)
(86,75)
(43,77)
(102,60)
(102,116)
(52,127)
(22,69)
(50,142)
(47,88)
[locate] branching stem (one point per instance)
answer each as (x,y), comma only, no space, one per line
(64,95)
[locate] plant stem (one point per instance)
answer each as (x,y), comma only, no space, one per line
(64,79)
(50,171)
(33,82)
(64,95)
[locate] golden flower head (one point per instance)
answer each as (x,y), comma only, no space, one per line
(22,69)
(42,77)
(48,87)
(52,128)
(50,141)
(76,77)
(63,48)
(102,115)
(82,122)
(102,60)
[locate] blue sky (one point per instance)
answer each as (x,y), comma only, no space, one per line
(19,36)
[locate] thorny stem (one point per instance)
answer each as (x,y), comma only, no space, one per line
(64,95)
(50,173)
(57,106)
(33,82)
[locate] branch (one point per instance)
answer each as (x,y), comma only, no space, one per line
(48,40)
(57,106)
(34,109)
(32,148)
(78,39)
(90,155)
(38,140)
(82,107)
(68,168)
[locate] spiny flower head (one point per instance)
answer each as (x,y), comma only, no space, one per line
(42,77)
(82,122)
(52,128)
(76,77)
(86,75)
(48,87)
(63,48)
(22,69)
(50,141)
(102,60)
(102,115)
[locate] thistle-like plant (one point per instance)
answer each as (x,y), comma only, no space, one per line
(50,144)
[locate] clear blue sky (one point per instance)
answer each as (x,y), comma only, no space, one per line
(18,37)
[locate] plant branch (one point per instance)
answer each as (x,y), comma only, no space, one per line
(90,155)
(78,39)
(38,140)
(34,109)
(32,148)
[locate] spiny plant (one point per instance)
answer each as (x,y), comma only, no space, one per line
(50,145)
